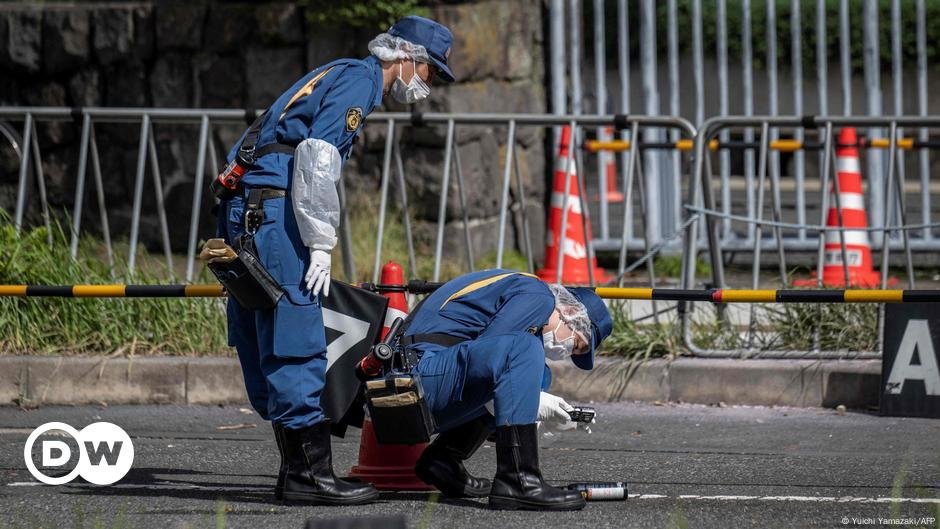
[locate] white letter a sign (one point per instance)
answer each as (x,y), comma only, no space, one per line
(916,339)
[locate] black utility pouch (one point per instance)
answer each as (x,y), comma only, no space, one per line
(246,279)
(399,410)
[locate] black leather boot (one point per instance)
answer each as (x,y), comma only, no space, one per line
(282,470)
(309,475)
(441,463)
(518,483)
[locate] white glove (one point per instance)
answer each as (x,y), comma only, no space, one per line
(318,274)
(553,412)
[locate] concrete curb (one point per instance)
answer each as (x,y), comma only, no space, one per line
(801,383)
(35,380)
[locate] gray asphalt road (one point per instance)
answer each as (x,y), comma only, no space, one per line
(687,466)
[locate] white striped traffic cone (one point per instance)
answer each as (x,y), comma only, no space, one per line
(852,200)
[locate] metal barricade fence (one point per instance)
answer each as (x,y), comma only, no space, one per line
(892,229)
(27,149)
(574,163)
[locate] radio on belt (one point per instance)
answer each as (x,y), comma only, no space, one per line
(601,490)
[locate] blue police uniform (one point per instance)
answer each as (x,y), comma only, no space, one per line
(499,313)
(282,351)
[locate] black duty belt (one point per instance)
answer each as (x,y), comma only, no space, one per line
(445,340)
(254,212)
(273,147)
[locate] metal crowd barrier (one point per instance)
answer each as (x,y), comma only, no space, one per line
(632,168)
(26,147)
(889,219)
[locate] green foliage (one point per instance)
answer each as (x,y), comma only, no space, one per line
(187,326)
(366,14)
(837,327)
(671,266)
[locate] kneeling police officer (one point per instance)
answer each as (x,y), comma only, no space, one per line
(485,337)
(285,196)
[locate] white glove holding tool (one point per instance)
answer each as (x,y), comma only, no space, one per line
(553,413)
(316,207)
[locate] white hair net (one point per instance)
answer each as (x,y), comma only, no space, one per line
(573,313)
(391,48)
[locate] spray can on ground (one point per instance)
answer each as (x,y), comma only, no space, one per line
(601,490)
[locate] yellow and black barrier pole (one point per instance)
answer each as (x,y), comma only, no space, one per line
(112,291)
(422,287)
(781,145)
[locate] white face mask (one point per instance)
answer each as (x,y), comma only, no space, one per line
(555,350)
(412,92)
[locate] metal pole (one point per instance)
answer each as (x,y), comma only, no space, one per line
(672,199)
(774,99)
(557,58)
(648,57)
(80,184)
(99,194)
(824,201)
(632,153)
(565,202)
(923,155)
(161,209)
(24,174)
(845,62)
(755,267)
(748,93)
(895,163)
(896,63)
(463,207)
(405,210)
(383,200)
(585,211)
(872,63)
(41,182)
(724,155)
(442,208)
(526,234)
(574,64)
(600,89)
(197,195)
(504,195)
(623,68)
(888,213)
(799,157)
(139,192)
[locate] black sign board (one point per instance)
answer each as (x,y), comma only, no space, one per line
(910,378)
(353,319)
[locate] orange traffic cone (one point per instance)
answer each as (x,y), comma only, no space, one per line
(574,247)
(389,467)
(857,247)
(608,163)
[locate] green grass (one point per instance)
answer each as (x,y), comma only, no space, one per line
(176,326)
(158,326)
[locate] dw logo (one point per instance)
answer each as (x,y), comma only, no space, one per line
(105,453)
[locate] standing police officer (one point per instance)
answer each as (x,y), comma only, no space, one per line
(484,337)
(297,154)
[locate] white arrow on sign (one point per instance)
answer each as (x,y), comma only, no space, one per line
(352,331)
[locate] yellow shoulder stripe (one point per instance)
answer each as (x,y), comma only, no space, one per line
(477,285)
(305,90)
